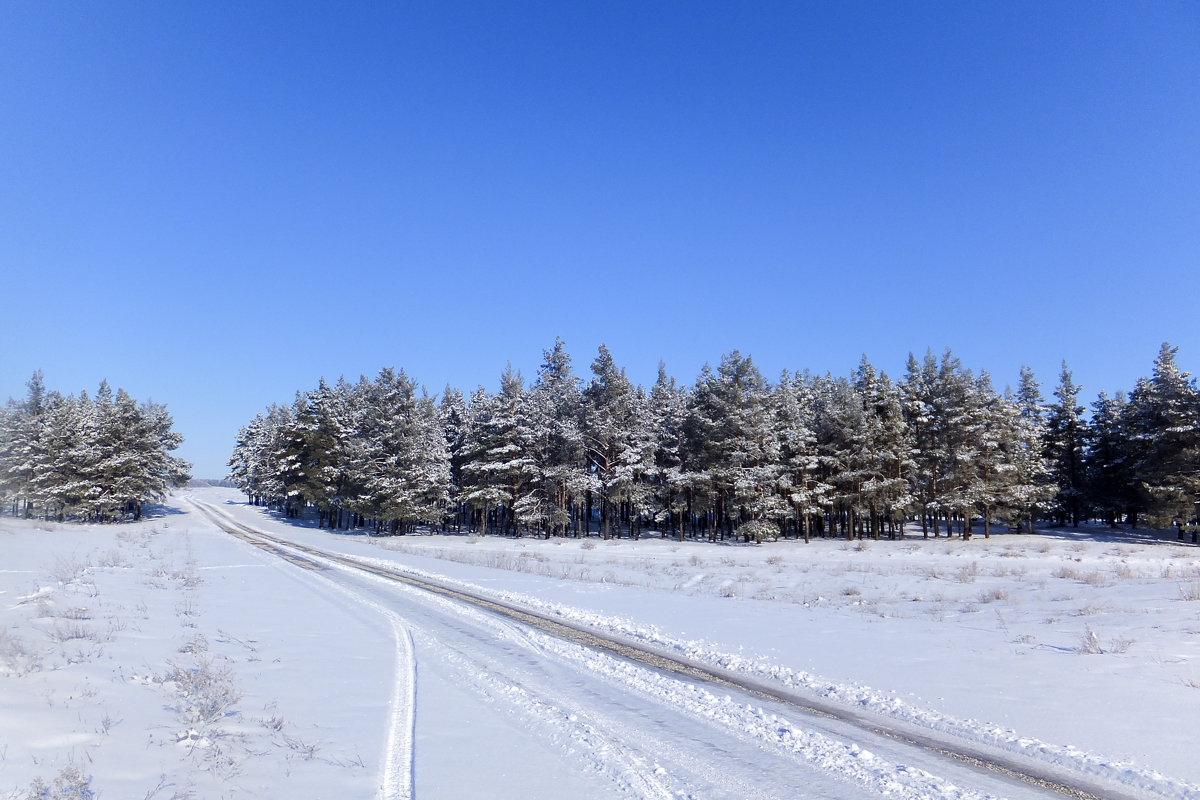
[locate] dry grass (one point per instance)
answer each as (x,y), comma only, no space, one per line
(68,569)
(993,595)
(62,632)
(968,574)
(1090,644)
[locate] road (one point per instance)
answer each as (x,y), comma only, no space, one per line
(550,709)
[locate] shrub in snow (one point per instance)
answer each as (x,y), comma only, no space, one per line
(69,784)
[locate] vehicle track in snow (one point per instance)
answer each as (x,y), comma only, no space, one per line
(1001,769)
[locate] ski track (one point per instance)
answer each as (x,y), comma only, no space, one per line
(396,780)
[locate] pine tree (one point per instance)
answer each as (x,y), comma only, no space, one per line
(884,491)
(1066,435)
(497,473)
(452,416)
(635,463)
(1164,425)
(668,416)
(1112,486)
(20,447)
(917,398)
(608,421)
(1032,485)
(799,456)
(381,445)
(945,415)
(57,484)
(735,449)
(555,440)
(66,456)
(995,464)
(429,467)
(255,466)
(841,428)
(486,446)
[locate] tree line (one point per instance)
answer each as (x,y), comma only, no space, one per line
(731,455)
(95,460)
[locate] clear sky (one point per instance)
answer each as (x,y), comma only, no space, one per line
(216,204)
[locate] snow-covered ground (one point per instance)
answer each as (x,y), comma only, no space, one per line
(168,659)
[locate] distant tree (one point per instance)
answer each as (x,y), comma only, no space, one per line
(554,437)
(668,404)
(20,443)
(453,416)
(1066,436)
(946,414)
(609,422)
(995,468)
(884,492)
(486,449)
(729,456)
(66,457)
(1110,462)
(799,456)
(918,395)
(497,475)
(1164,428)
(1032,485)
(735,449)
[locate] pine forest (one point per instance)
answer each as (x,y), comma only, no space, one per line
(730,456)
(93,460)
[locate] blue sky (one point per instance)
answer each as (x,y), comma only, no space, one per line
(215,204)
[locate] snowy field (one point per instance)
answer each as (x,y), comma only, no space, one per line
(167,659)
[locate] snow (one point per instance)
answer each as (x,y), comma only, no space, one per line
(167,657)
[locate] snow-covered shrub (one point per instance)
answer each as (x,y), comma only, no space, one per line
(209,694)
(69,784)
(1090,644)
(15,657)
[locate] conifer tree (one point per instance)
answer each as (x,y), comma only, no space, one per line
(1066,434)
(1112,486)
(1164,424)
(486,445)
(800,480)
(556,443)
(452,416)
(668,416)
(69,457)
(1032,484)
(730,435)
(884,492)
(608,421)
(917,399)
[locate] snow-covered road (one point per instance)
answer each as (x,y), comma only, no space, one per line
(573,713)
